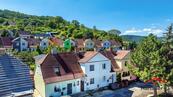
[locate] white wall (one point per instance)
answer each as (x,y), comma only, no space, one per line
(98,72)
(23,45)
(44,43)
(61,85)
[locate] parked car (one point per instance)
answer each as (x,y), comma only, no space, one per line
(114,86)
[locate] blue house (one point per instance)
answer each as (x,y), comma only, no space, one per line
(15,79)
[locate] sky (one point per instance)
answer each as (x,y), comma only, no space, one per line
(131,17)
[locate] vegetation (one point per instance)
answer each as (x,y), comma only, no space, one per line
(10,20)
(153,59)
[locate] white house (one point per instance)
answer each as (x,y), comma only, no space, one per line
(97,70)
(57,75)
(44,43)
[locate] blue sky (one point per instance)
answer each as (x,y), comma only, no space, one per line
(132,17)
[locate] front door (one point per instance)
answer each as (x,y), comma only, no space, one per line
(69,88)
(82,86)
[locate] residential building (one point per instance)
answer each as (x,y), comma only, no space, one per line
(57,74)
(106,44)
(97,69)
(14,78)
(89,44)
(6,42)
(44,43)
(122,58)
(42,35)
(20,44)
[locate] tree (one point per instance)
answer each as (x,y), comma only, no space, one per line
(147,58)
(114,31)
(88,35)
(167,56)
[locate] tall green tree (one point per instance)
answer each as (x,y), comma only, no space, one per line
(147,58)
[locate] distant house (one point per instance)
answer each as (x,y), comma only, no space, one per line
(98,70)
(122,59)
(14,78)
(56,41)
(106,44)
(20,44)
(6,42)
(89,44)
(79,44)
(44,43)
(42,35)
(33,43)
(98,45)
(57,74)
(116,45)
(25,34)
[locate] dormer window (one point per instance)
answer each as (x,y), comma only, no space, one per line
(57,71)
(23,43)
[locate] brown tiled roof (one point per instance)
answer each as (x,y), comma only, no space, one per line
(110,56)
(6,42)
(57,41)
(33,42)
(67,63)
(79,43)
(115,43)
(121,54)
(87,56)
(97,42)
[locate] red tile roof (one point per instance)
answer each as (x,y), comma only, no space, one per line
(6,42)
(79,43)
(110,56)
(121,54)
(33,42)
(56,41)
(97,42)
(115,43)
(68,66)
(87,56)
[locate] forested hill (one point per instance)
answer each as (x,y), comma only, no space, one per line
(15,21)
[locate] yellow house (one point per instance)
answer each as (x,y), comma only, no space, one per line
(122,58)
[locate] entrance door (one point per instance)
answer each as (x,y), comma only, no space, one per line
(82,86)
(69,88)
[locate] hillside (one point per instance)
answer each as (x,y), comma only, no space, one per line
(135,38)
(15,21)
(132,38)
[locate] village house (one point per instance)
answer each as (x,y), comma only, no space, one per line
(57,74)
(98,70)
(20,44)
(14,78)
(6,42)
(122,59)
(44,43)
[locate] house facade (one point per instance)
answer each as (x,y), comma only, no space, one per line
(20,44)
(88,44)
(122,59)
(44,43)
(106,44)
(57,75)
(97,70)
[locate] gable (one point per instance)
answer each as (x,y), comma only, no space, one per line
(98,57)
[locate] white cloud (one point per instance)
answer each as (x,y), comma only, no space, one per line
(143,31)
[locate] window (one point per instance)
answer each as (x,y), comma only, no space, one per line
(44,43)
(67,43)
(91,44)
(104,66)
(77,83)
(126,74)
(92,81)
(57,71)
(104,78)
(56,89)
(91,67)
(126,63)
(17,44)
(23,43)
